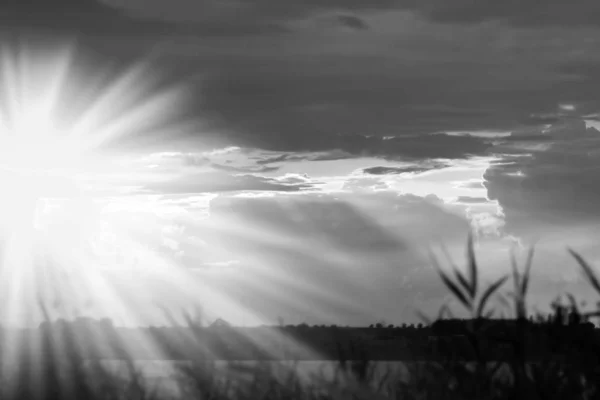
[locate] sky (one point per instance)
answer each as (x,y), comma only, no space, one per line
(298,159)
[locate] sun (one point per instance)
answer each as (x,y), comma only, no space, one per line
(35,162)
(60,131)
(57,119)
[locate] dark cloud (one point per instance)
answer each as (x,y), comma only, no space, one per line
(303,90)
(305,102)
(275,159)
(264,15)
(401,147)
(71,16)
(353,22)
(271,15)
(101,18)
(555,185)
(271,113)
(519,13)
(331,155)
(312,92)
(402,170)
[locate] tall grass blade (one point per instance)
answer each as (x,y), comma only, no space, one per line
(459,276)
(463,282)
(587,269)
(455,290)
(488,293)
(449,284)
(527,272)
(472,264)
(515,270)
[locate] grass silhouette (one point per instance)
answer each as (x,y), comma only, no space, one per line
(554,358)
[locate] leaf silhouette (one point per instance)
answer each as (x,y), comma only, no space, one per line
(455,290)
(587,269)
(515,271)
(448,282)
(527,272)
(488,293)
(472,264)
(463,282)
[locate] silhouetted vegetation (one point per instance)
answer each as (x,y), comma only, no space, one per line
(554,356)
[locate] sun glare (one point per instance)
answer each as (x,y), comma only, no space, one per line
(63,168)
(58,131)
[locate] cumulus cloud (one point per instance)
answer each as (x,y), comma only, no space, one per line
(317,246)
(340,257)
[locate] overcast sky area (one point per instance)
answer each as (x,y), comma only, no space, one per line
(314,150)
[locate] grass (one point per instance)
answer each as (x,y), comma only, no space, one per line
(573,374)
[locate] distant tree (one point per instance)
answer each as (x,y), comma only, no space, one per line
(371,326)
(391,326)
(379,325)
(420,326)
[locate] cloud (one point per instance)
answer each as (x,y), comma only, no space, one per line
(471,200)
(410,77)
(403,170)
(528,13)
(330,155)
(81,17)
(308,252)
(345,258)
(353,22)
(265,16)
(300,101)
(229,159)
(215,182)
(229,168)
(475,184)
(554,184)
(361,184)
(272,17)
(395,148)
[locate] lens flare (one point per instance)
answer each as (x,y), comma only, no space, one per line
(65,134)
(61,126)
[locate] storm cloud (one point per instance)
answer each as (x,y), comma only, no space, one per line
(555,184)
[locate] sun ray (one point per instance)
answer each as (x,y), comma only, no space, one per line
(66,255)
